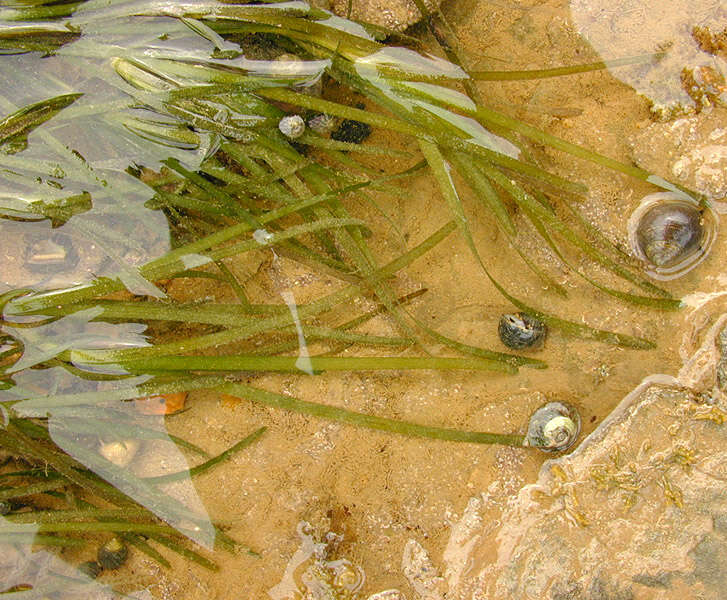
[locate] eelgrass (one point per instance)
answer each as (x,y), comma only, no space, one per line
(229,180)
(68,524)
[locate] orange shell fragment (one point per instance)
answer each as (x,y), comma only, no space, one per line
(229,401)
(161,404)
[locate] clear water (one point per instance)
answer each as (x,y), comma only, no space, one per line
(330,510)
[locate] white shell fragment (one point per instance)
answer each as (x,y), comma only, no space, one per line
(119,452)
(292,126)
(262,236)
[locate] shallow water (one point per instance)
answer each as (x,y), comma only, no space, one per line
(336,511)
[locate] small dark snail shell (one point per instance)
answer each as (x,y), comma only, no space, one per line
(671,233)
(521,330)
(553,427)
(112,554)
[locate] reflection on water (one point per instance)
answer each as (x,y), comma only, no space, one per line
(313,572)
(681,33)
(160,218)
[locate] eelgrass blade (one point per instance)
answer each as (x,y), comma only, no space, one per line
(100,526)
(485,192)
(316,141)
(111,426)
(332,335)
(166,507)
(235,285)
(447,40)
(187,553)
(442,175)
(515,75)
(21,37)
(368,421)
(274,322)
(340,110)
(512,359)
(489,197)
(40,539)
(236,363)
(31,489)
(490,117)
(174,262)
(660,303)
(40,12)
(23,121)
(139,541)
(212,462)
(40,406)
(544,216)
(577,329)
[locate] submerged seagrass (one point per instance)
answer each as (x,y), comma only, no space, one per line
(188,125)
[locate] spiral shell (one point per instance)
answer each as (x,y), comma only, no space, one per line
(553,427)
(671,233)
(521,330)
(112,554)
(91,569)
(292,126)
(119,452)
(322,123)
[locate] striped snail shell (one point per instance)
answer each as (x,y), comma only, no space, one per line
(553,427)
(521,330)
(671,233)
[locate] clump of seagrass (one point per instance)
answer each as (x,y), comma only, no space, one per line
(236,184)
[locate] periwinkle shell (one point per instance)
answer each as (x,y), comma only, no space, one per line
(553,427)
(112,554)
(292,126)
(671,233)
(521,330)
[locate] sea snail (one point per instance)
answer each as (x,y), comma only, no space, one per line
(112,554)
(671,233)
(521,330)
(292,126)
(553,427)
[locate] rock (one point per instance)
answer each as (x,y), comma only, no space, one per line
(692,151)
(637,511)
(421,573)
(397,15)
(687,39)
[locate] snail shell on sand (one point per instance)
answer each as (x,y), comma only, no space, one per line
(119,452)
(553,427)
(112,554)
(292,126)
(671,233)
(521,330)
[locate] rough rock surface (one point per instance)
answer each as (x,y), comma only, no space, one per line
(394,14)
(692,151)
(639,509)
(629,28)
